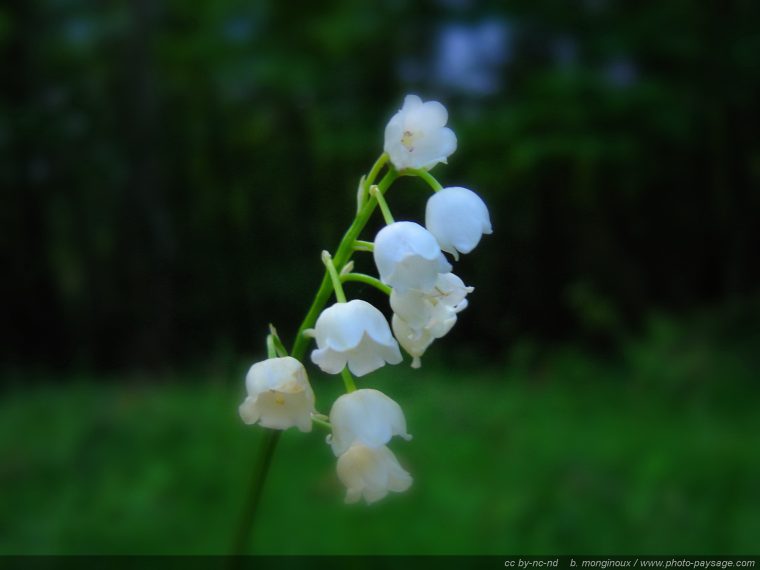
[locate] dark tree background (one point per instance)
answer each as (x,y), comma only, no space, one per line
(171,170)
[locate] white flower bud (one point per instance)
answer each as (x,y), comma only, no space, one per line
(458,218)
(370,473)
(416,136)
(365,416)
(279,395)
(354,334)
(408,256)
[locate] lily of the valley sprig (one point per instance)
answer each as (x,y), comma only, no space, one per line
(354,338)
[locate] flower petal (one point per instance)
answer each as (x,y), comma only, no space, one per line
(457,217)
(341,326)
(365,359)
(408,256)
(416,136)
(329,360)
(279,395)
(371,473)
(365,416)
(249,413)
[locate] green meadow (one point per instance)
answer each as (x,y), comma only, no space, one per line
(654,451)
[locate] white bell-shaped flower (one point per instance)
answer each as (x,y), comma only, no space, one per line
(414,341)
(279,395)
(417,136)
(354,334)
(420,318)
(458,218)
(371,473)
(434,310)
(451,291)
(365,416)
(408,256)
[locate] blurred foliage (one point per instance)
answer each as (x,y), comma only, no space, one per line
(556,453)
(171,170)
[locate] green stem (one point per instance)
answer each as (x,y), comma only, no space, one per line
(322,423)
(377,195)
(361,245)
(427,177)
(367,181)
(348,380)
(334,278)
(367,279)
(264,461)
(342,256)
(376,168)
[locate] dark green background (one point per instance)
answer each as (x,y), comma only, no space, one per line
(171,170)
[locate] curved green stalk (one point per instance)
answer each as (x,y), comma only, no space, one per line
(258,478)
(334,277)
(342,256)
(427,177)
(375,193)
(321,423)
(361,245)
(376,168)
(368,280)
(367,181)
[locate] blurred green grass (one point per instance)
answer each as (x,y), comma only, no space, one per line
(651,453)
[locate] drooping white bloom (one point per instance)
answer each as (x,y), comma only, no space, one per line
(354,334)
(451,291)
(458,218)
(279,395)
(370,473)
(417,136)
(414,341)
(434,310)
(408,256)
(365,416)
(420,318)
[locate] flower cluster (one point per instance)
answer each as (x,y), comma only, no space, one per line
(354,338)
